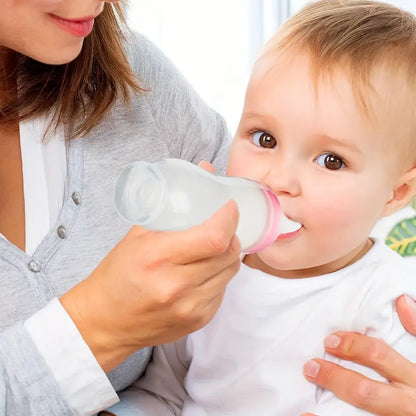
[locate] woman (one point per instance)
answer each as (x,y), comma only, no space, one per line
(81,295)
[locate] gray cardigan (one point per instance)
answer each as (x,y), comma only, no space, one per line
(169,120)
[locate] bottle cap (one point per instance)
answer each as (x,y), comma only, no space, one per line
(140,193)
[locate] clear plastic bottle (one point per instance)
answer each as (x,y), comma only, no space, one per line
(174,194)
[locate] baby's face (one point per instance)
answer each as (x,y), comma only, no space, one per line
(332,166)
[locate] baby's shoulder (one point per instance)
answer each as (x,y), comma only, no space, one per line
(392,270)
(386,278)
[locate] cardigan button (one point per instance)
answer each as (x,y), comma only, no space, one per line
(34,266)
(61,231)
(76,197)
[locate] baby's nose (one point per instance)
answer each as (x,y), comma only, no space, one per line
(283,179)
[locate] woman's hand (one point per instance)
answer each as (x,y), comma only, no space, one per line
(207,166)
(406,307)
(155,287)
(396,398)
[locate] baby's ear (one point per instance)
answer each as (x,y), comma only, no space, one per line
(402,193)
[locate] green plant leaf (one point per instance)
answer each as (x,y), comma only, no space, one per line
(402,238)
(412,203)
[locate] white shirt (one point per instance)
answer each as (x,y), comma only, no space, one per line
(75,368)
(248,360)
(44,174)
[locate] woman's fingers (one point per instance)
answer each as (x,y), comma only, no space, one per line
(207,166)
(406,308)
(382,399)
(395,398)
(346,384)
(374,353)
(211,238)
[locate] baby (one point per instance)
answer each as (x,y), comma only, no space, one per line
(328,124)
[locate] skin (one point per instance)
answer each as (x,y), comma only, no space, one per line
(53,45)
(166,293)
(137,296)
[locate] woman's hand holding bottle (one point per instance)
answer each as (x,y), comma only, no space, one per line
(155,287)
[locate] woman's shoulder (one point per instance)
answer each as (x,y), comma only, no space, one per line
(149,63)
(137,45)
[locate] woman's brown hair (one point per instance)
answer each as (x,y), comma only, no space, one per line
(83,91)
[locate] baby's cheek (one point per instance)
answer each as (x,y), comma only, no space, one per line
(237,166)
(40,2)
(329,212)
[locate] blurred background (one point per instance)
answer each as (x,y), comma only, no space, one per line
(214,43)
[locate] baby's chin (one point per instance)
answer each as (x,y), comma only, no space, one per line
(269,262)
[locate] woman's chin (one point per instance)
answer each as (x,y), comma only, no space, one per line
(57,56)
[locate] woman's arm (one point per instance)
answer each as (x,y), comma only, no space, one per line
(397,398)
(26,384)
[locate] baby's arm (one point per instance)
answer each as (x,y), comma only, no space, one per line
(161,389)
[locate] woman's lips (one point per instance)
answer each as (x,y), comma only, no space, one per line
(76,27)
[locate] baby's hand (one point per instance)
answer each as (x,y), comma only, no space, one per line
(207,166)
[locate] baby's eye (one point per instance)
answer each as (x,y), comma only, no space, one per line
(330,161)
(263,139)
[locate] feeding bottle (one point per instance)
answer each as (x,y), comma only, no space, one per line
(174,194)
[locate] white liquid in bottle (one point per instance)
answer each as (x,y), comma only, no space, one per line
(173,194)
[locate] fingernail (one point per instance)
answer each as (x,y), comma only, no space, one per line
(332,341)
(410,301)
(311,368)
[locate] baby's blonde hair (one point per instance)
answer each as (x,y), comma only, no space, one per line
(354,35)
